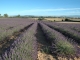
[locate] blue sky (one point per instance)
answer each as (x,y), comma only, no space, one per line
(40,7)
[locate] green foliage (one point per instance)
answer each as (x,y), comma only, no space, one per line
(65,48)
(67,19)
(0,15)
(71,20)
(41,18)
(45,50)
(62,20)
(5,15)
(18,15)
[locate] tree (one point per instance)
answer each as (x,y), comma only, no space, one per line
(18,16)
(0,15)
(62,20)
(67,19)
(41,18)
(5,15)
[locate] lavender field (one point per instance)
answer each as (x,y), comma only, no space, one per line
(28,39)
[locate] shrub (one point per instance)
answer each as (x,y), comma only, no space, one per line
(67,19)
(62,20)
(41,18)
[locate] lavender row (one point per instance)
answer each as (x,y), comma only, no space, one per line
(6,33)
(24,48)
(59,43)
(73,26)
(8,26)
(5,44)
(65,31)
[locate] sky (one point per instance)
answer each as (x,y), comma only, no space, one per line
(40,7)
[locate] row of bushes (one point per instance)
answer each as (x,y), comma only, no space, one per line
(42,18)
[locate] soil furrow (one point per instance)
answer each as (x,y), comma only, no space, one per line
(43,43)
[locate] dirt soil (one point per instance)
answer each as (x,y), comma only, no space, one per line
(44,56)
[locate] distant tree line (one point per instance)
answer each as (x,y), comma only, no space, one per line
(39,17)
(29,16)
(69,20)
(5,15)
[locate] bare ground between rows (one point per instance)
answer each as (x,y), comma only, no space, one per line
(6,43)
(42,43)
(44,56)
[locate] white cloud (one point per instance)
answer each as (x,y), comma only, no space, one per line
(74,12)
(46,10)
(34,11)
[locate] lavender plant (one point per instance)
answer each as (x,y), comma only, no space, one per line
(59,42)
(24,47)
(66,31)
